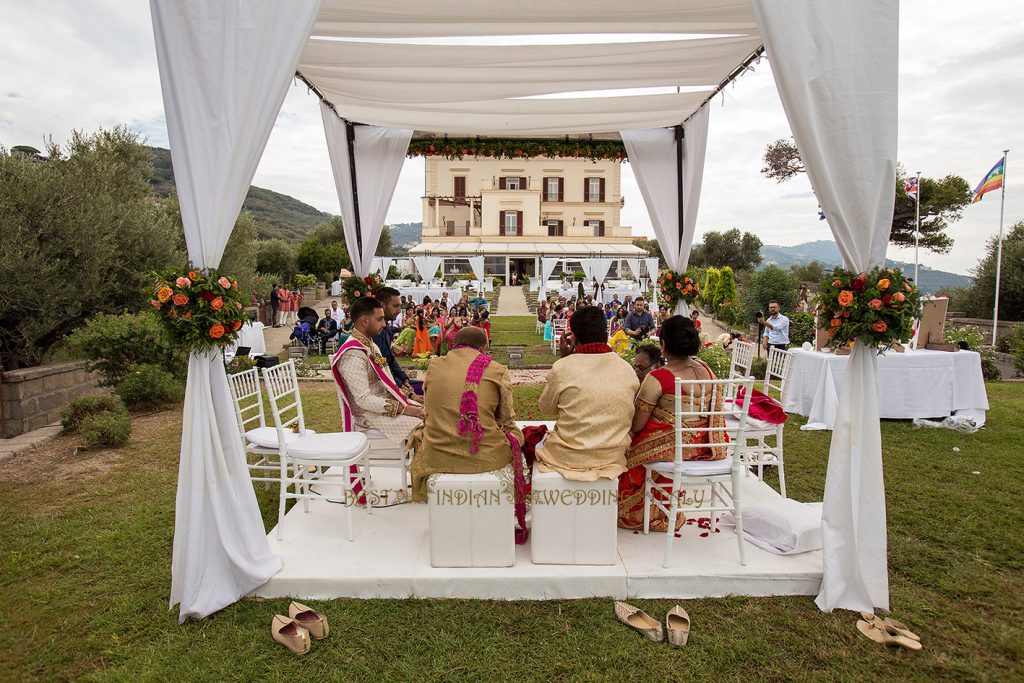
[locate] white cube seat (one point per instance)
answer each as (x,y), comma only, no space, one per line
(696,468)
(472,519)
(331,446)
(266,437)
(573,522)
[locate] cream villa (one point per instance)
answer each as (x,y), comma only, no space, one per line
(515,211)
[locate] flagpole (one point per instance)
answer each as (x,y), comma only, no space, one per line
(999,253)
(917,232)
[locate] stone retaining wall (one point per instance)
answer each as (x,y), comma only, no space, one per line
(33,397)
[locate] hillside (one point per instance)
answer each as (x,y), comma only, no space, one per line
(277,215)
(406,234)
(827,253)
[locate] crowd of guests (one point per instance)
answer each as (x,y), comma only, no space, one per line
(610,418)
(284,304)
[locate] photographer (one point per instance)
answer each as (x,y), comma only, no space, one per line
(776,332)
(639,323)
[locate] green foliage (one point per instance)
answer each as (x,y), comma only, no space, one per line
(111,428)
(812,271)
(114,343)
(717,359)
(711,278)
(149,387)
(758,367)
(1004,344)
(84,406)
(942,202)
(739,251)
(965,333)
(512,148)
(305,281)
(726,287)
(801,328)
(305,369)
(982,296)
(384,245)
(322,260)
(989,369)
(579,276)
(1017,344)
(766,284)
(276,258)
(80,234)
(733,314)
(651,247)
(240,364)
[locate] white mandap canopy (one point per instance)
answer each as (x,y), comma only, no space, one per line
(225,66)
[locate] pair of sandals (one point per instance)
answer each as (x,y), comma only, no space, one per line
(296,630)
(888,632)
(677,623)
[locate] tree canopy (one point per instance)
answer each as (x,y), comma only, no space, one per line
(980,298)
(942,200)
(739,251)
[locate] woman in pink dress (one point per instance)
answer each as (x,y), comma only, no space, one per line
(296,302)
(285,296)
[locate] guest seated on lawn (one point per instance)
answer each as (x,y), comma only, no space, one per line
(478,302)
(325,329)
(370,397)
(653,429)
(591,390)
(455,437)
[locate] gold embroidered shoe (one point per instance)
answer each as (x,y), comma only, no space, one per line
(311,620)
(888,624)
(677,624)
(639,620)
(288,632)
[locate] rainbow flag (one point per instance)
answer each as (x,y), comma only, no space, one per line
(992,181)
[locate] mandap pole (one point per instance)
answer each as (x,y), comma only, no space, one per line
(999,253)
(917,231)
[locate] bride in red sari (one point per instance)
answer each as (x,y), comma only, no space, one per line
(653,429)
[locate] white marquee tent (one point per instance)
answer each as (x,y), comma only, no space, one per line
(225,66)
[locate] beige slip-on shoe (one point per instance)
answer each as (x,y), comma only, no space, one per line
(889,624)
(885,638)
(290,634)
(311,620)
(639,620)
(677,625)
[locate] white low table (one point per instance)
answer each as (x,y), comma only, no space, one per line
(912,384)
(251,335)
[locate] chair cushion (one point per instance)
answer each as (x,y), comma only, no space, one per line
(266,437)
(696,468)
(330,446)
(753,424)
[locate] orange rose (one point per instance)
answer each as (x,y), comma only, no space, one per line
(224,282)
(180,300)
(236,325)
(880,326)
(668,276)
(846,298)
(194,275)
(836,322)
(186,315)
(217,304)
(155,304)
(883,284)
(164,293)
(217,331)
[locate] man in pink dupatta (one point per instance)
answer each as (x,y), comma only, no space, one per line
(369,395)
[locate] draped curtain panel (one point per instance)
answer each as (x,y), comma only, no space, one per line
(381,265)
(426,266)
(599,271)
(654,157)
(378,157)
(840,96)
(225,67)
(547,266)
(652,272)
(634,267)
(477,264)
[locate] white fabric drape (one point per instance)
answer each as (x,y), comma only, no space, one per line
(547,266)
(652,272)
(225,68)
(477,264)
(587,266)
(426,266)
(634,267)
(599,271)
(381,264)
(840,96)
(653,156)
(379,155)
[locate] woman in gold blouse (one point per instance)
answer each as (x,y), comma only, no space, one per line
(653,429)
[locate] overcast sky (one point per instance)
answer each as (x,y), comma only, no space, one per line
(81,65)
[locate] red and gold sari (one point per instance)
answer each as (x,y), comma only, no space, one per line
(656,443)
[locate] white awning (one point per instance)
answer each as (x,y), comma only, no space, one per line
(529,249)
(438,66)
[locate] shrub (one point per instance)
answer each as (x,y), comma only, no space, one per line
(149,387)
(1004,344)
(801,328)
(114,343)
(110,428)
(732,313)
(84,406)
(302,281)
(965,333)
(711,278)
(770,283)
(240,364)
(717,359)
(304,368)
(759,367)
(1018,349)
(726,287)
(989,369)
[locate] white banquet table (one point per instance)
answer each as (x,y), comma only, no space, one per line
(921,383)
(251,335)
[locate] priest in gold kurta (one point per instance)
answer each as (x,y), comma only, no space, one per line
(452,439)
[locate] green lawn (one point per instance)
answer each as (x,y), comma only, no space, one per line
(86,544)
(520,331)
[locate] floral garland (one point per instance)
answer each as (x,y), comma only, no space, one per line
(877,307)
(676,287)
(200,308)
(356,287)
(609,150)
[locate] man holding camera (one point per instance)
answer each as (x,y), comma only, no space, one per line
(776,327)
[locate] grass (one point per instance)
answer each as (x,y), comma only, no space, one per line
(520,331)
(85,574)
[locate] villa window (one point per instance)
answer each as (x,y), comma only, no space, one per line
(512,223)
(553,189)
(555,228)
(593,189)
(597,228)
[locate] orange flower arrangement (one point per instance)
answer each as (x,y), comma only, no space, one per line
(207,311)
(676,287)
(878,308)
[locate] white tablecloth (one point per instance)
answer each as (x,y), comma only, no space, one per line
(250,335)
(913,384)
(336,288)
(606,297)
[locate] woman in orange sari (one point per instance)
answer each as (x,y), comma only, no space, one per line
(653,430)
(422,344)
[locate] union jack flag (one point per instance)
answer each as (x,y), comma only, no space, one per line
(910,187)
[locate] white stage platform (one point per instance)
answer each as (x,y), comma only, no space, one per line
(390,558)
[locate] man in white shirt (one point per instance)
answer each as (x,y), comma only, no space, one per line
(337,313)
(776,328)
